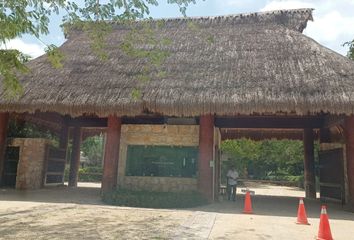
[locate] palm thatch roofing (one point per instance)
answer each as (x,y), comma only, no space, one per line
(239,64)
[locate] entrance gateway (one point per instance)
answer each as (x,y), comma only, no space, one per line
(260,72)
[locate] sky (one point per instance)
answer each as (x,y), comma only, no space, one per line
(333,20)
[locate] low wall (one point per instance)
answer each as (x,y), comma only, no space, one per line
(164,184)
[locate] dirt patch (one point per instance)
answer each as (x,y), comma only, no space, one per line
(73,221)
(78,213)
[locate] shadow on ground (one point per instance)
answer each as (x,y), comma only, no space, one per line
(262,205)
(60,194)
(279,206)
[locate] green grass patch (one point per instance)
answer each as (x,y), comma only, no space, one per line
(147,199)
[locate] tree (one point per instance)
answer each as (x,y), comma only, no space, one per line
(351,49)
(19,17)
(242,152)
(268,158)
(92,148)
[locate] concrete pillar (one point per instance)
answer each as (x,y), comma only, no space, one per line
(349,139)
(4,120)
(206,147)
(309,164)
(111,154)
(75,157)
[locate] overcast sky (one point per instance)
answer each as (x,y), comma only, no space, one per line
(333,20)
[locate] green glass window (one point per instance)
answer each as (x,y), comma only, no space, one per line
(163,161)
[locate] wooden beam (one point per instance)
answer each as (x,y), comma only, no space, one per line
(75,158)
(206,148)
(349,137)
(309,164)
(49,120)
(111,154)
(275,122)
(325,135)
(4,120)
(260,134)
(87,122)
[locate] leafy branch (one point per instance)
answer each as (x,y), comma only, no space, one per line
(351,49)
(19,17)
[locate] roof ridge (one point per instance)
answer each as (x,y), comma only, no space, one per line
(237,15)
(295,19)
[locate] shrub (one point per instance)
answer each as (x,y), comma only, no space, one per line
(87,174)
(124,197)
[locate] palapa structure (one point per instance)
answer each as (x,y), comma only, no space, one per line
(247,71)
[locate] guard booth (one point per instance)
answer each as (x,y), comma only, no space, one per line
(32,163)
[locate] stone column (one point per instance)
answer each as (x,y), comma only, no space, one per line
(206,145)
(349,139)
(111,154)
(4,120)
(75,157)
(309,164)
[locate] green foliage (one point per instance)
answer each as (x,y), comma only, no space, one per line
(28,130)
(19,17)
(92,148)
(123,197)
(12,62)
(54,55)
(351,49)
(269,159)
(86,174)
(90,174)
(242,152)
(136,94)
(153,56)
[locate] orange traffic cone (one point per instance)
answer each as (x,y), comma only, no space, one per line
(248,203)
(301,213)
(324,232)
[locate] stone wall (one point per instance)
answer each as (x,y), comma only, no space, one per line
(30,168)
(164,184)
(176,135)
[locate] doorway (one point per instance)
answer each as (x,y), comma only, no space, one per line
(12,156)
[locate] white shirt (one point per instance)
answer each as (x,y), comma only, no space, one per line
(232,176)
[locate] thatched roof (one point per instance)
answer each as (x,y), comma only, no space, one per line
(251,63)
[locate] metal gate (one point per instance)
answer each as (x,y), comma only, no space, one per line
(54,166)
(332,175)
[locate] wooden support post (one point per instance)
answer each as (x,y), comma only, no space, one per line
(206,146)
(325,135)
(111,154)
(309,164)
(4,120)
(75,157)
(349,137)
(64,137)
